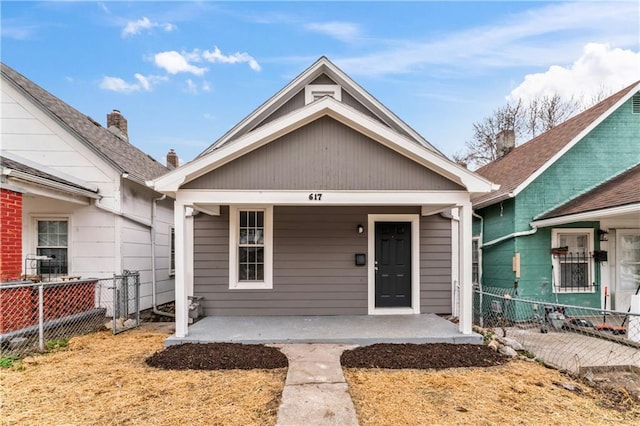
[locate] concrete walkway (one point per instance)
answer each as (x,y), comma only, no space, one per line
(315,391)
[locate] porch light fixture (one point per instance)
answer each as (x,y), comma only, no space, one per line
(603,235)
(360,229)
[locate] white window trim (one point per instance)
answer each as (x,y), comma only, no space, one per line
(556,261)
(414,219)
(333,90)
(34,237)
(267,283)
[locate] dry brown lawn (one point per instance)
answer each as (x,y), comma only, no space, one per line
(101,379)
(517,393)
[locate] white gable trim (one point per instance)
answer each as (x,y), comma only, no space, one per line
(593,215)
(171,182)
(321,66)
(575,140)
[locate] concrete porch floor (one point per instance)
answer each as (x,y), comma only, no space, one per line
(359,330)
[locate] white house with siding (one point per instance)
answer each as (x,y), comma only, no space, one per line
(83,193)
(323,202)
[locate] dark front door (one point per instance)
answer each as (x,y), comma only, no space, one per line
(393,264)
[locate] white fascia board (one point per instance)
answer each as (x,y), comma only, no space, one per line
(194,197)
(49,184)
(57,192)
(576,139)
(388,137)
(274,102)
(593,215)
(52,172)
(340,112)
(247,143)
(494,200)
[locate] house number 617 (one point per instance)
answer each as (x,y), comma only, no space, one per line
(315,196)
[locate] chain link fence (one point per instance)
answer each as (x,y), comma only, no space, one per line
(40,316)
(571,338)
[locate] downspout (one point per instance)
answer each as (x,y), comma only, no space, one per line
(532,231)
(480,246)
(153,260)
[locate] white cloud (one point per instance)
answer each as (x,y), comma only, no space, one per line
(144,83)
(217,56)
(174,63)
(600,69)
(206,86)
(117,84)
(135,27)
(344,31)
(542,35)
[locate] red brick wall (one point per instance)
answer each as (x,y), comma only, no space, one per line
(19,306)
(10,235)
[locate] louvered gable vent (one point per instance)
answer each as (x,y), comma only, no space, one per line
(635,102)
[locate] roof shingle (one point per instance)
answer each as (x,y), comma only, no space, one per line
(622,190)
(514,168)
(122,155)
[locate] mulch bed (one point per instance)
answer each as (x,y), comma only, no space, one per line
(230,356)
(218,356)
(425,356)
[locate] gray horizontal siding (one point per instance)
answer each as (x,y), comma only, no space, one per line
(313,271)
(435,264)
(324,155)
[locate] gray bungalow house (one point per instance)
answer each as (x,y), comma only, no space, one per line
(323,202)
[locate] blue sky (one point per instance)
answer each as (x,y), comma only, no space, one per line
(183,73)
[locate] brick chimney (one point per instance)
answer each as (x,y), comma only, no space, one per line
(172,160)
(117,124)
(505,142)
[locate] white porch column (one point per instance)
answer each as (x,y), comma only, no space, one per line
(181,276)
(188,252)
(465,266)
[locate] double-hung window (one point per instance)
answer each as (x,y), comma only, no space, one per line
(172,251)
(52,242)
(250,247)
(572,260)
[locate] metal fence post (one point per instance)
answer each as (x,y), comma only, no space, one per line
(41,317)
(115,303)
(137,302)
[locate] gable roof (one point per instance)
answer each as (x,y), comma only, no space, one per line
(326,106)
(37,174)
(622,190)
(526,162)
(317,69)
(122,155)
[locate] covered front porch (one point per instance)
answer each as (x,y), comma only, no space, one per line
(345,329)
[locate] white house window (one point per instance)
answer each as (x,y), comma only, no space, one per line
(52,242)
(250,248)
(172,251)
(313,92)
(572,260)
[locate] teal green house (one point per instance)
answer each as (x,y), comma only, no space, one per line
(564,226)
